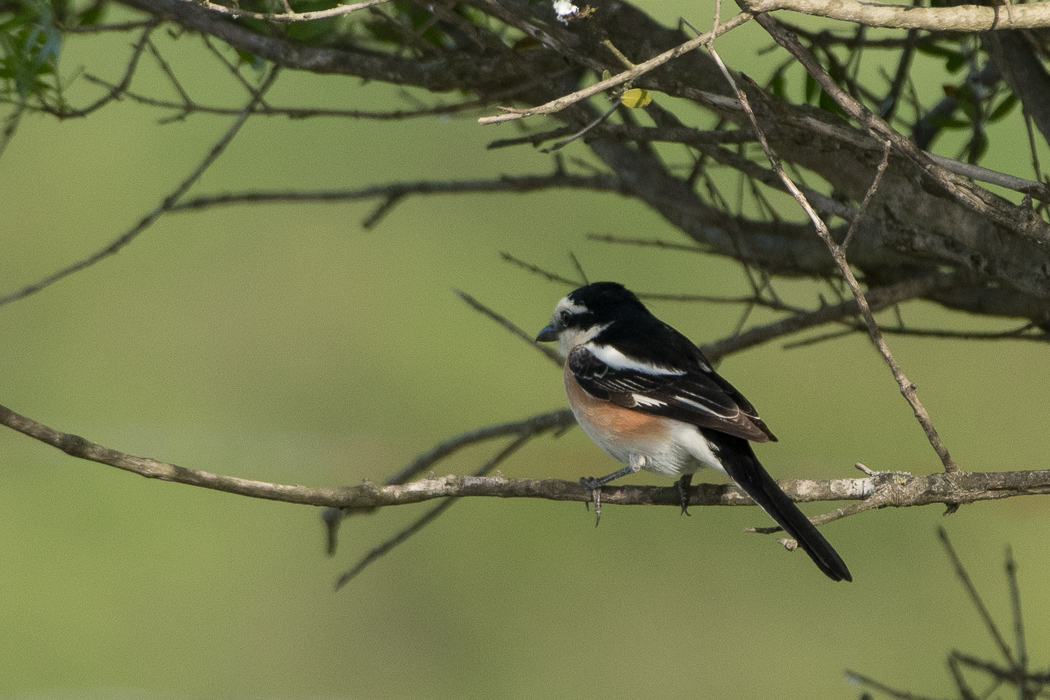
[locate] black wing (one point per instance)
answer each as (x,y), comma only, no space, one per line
(697,395)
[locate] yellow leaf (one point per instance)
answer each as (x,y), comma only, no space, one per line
(635,98)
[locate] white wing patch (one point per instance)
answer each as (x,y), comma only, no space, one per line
(642,400)
(706,409)
(617,360)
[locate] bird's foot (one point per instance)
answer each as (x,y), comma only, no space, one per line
(683,485)
(595,485)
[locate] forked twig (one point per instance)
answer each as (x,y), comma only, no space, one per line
(975,597)
(1014,674)
(427,518)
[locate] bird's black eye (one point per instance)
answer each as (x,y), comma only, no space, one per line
(565,316)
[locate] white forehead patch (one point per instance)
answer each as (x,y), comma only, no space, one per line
(617,360)
(567,304)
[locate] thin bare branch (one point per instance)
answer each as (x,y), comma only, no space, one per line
(1015,606)
(646,242)
(549,352)
(556,421)
(168,204)
(898,490)
(293,112)
(287,16)
(868,196)
(105,28)
(115,91)
(507,183)
(537,270)
(965,691)
(1028,332)
(634,132)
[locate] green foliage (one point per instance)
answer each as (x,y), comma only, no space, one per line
(972,107)
(30,43)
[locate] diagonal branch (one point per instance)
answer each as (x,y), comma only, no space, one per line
(838,252)
(428,517)
(550,353)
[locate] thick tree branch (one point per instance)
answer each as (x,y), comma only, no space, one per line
(961,18)
(910,230)
(1015,220)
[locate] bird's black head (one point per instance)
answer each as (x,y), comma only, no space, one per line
(583,313)
(605,299)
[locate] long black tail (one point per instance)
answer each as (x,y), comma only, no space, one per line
(743,467)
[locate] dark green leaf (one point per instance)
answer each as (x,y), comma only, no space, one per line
(92,15)
(1003,108)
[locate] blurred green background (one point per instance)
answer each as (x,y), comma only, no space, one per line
(286,343)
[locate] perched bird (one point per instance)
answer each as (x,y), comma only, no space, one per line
(648,396)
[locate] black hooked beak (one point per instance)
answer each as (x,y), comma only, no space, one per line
(548,334)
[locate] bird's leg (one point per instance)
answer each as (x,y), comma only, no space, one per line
(683,485)
(595,484)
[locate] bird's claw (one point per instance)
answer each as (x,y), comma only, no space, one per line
(595,486)
(683,491)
